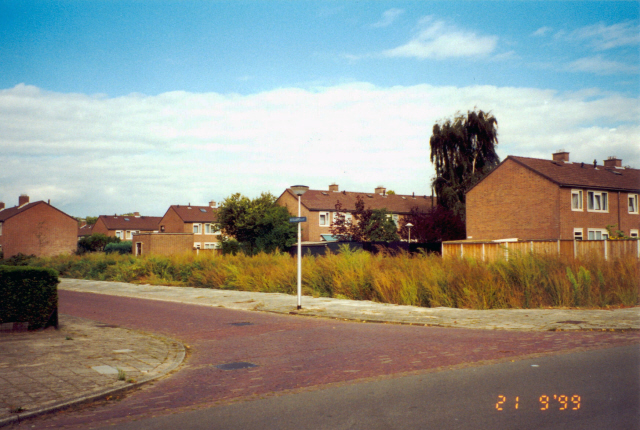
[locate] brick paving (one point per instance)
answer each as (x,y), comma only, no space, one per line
(291,353)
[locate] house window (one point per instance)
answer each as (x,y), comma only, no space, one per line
(210,229)
(633,203)
(0,229)
(120,234)
(597,201)
(128,234)
(162,228)
(324,218)
(598,234)
(197,229)
(347,217)
(577,234)
(212,245)
(633,234)
(576,200)
(196,245)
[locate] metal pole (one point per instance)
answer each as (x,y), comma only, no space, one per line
(299,259)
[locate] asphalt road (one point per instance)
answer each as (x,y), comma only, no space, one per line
(589,390)
(298,357)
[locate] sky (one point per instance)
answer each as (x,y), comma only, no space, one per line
(121,106)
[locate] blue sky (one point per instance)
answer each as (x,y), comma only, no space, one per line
(118,106)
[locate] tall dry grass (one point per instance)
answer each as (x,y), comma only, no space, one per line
(525,281)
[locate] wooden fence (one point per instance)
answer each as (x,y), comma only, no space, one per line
(490,251)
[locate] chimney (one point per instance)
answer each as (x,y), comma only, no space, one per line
(23,199)
(380,190)
(561,155)
(1,205)
(612,162)
(212,204)
(334,187)
(136,214)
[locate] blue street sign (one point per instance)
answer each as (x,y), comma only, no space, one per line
(298,219)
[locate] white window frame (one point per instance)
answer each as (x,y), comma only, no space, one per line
(327,220)
(597,234)
(578,234)
(210,228)
(196,245)
(580,202)
(197,226)
(633,234)
(604,201)
(632,200)
(120,234)
(129,234)
(212,245)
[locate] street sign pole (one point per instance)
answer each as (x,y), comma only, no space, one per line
(299,190)
(299,257)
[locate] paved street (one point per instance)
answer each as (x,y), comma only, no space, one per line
(291,354)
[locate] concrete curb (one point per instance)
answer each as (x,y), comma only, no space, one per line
(174,346)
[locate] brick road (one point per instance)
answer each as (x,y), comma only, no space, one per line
(291,353)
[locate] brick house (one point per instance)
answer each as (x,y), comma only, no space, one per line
(197,220)
(320,207)
(529,198)
(125,226)
(36,228)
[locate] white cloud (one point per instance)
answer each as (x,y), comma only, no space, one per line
(388,17)
(542,31)
(98,155)
(436,39)
(603,37)
(600,66)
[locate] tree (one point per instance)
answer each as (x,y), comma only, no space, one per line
(95,243)
(463,152)
(256,225)
(435,225)
(364,225)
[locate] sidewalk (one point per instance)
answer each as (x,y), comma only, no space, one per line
(506,319)
(47,370)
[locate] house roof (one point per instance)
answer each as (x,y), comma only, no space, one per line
(7,213)
(319,200)
(85,230)
(583,175)
(196,213)
(125,222)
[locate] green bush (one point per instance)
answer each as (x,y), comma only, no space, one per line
(119,247)
(29,294)
(19,259)
(95,243)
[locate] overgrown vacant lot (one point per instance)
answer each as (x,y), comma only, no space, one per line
(525,281)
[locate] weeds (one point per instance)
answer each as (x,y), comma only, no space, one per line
(525,281)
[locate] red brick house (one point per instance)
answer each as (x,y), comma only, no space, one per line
(529,198)
(320,207)
(124,226)
(36,228)
(198,220)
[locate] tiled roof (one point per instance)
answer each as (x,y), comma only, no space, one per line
(9,212)
(147,223)
(319,200)
(583,175)
(196,213)
(85,230)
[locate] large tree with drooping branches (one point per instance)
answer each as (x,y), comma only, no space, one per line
(463,151)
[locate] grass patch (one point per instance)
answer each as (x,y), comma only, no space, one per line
(525,281)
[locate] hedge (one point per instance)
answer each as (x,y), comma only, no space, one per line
(29,294)
(120,247)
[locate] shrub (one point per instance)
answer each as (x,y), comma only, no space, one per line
(119,247)
(19,259)
(95,243)
(29,294)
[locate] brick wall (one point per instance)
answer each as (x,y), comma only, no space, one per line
(513,202)
(162,243)
(41,230)
(617,214)
(99,227)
